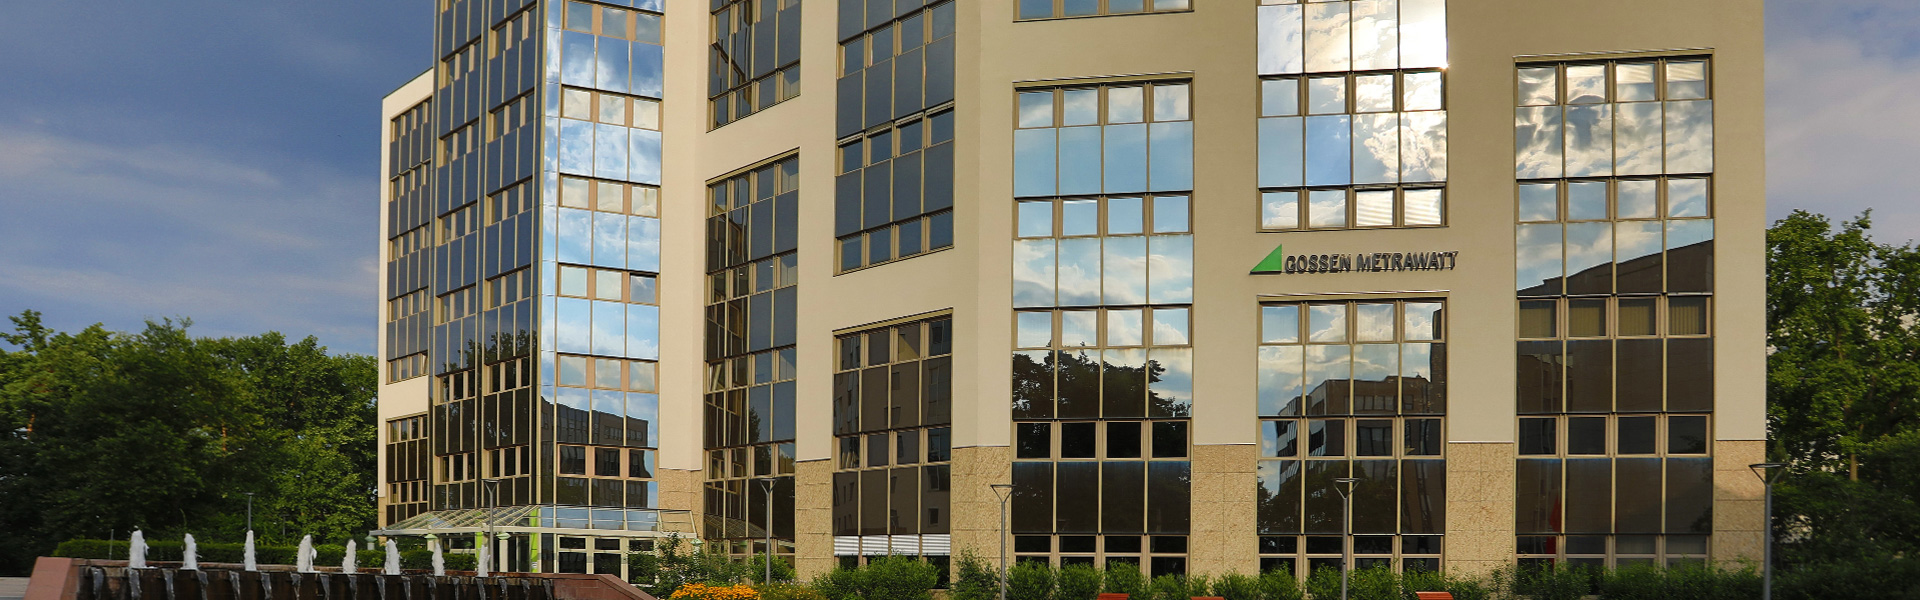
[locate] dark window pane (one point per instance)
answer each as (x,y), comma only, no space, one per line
(1690,375)
(846,398)
(846,503)
(1077,440)
(1686,435)
(1537,436)
(1375,496)
(1079,384)
(906,395)
(877,195)
(906,447)
(1689,496)
(1636,504)
(940,69)
(1125,378)
(606,462)
(1122,497)
(1032,503)
(873,502)
(1169,503)
(1326,437)
(1323,504)
(877,449)
(1539,377)
(1280,439)
(1032,543)
(1589,487)
(879,93)
(1170,439)
(1033,440)
(1278,495)
(1423,501)
(1373,437)
(939,177)
(936,486)
(1033,385)
(939,444)
(1123,440)
(1639,377)
(1537,507)
(1590,376)
(1078,510)
(852,18)
(874,399)
(1586,435)
(849,116)
(903,517)
(1636,435)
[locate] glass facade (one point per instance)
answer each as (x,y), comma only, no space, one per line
(1353,119)
(753,276)
(1615,279)
(754,57)
(1049,9)
(893,196)
(893,441)
(1103,291)
(1352,389)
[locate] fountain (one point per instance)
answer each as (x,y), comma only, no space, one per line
(347,560)
(481,560)
(190,555)
(137,550)
(303,557)
(439,564)
(393,558)
(247,557)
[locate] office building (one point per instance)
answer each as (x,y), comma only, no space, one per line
(1175,272)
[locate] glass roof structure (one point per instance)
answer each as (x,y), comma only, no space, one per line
(576,520)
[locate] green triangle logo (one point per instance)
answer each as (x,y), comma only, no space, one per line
(1275,262)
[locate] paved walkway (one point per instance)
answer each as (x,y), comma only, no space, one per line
(13,588)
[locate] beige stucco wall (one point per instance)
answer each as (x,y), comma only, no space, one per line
(1480,505)
(408,397)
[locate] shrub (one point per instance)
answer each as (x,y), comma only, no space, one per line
(1279,585)
(974,579)
(1123,578)
(901,578)
(840,584)
(701,591)
(1373,583)
(787,591)
(1030,580)
(1554,582)
(756,569)
(1168,587)
(1077,582)
(1324,582)
(1234,586)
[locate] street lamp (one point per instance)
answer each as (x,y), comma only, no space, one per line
(493,502)
(1005,492)
(1768,473)
(768,527)
(1346,526)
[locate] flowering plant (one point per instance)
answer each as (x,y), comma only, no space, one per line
(702,591)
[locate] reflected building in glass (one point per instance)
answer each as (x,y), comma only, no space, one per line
(1170,270)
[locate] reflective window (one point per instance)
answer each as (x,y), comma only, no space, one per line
(751,364)
(1049,9)
(894,62)
(1352,151)
(1656,118)
(893,405)
(754,57)
(894,192)
(1114,139)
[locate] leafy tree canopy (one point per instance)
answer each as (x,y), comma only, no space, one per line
(102,432)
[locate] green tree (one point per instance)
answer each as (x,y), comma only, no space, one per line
(102,432)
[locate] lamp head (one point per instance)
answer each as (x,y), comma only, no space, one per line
(1768,472)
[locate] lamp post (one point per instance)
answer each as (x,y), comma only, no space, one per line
(1346,526)
(1005,492)
(493,501)
(1768,472)
(768,527)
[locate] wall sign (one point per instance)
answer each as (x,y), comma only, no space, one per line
(1279,262)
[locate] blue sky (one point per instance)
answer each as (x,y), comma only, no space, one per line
(218,160)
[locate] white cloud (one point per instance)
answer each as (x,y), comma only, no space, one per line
(1843,116)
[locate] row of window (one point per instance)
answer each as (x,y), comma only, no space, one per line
(1620,316)
(606,462)
(1362,35)
(632,25)
(1615,199)
(603,284)
(1111,327)
(610,109)
(1681,79)
(1631,435)
(516,113)
(509,288)
(895,191)
(1155,269)
(1046,9)
(902,65)
(514,200)
(755,53)
(1281,553)
(607,373)
(1353,93)
(1101,440)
